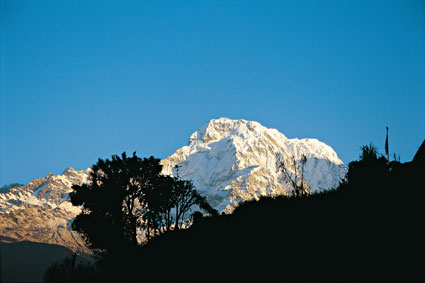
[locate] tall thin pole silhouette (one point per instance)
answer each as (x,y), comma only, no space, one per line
(386,147)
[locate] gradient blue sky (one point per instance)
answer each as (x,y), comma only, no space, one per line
(86,79)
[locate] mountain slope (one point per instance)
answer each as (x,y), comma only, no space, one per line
(40,211)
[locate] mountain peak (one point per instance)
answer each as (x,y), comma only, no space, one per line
(230,161)
(68,170)
(217,129)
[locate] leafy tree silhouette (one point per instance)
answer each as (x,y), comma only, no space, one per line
(169,203)
(112,198)
(126,195)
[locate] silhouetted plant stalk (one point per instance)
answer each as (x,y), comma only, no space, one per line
(295,179)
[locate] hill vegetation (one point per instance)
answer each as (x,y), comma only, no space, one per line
(366,230)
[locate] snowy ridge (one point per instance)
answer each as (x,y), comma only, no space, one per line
(230,161)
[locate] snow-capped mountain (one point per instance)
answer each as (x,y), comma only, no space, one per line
(229,161)
(40,211)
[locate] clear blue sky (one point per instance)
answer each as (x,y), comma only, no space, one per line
(86,79)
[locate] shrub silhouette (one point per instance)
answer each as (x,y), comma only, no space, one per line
(68,271)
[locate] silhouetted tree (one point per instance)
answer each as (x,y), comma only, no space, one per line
(169,203)
(126,195)
(184,197)
(111,200)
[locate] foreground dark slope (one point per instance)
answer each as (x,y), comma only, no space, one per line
(27,261)
(369,229)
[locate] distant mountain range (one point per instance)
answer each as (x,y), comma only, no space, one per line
(229,161)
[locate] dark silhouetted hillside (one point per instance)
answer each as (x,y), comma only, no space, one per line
(27,261)
(367,230)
